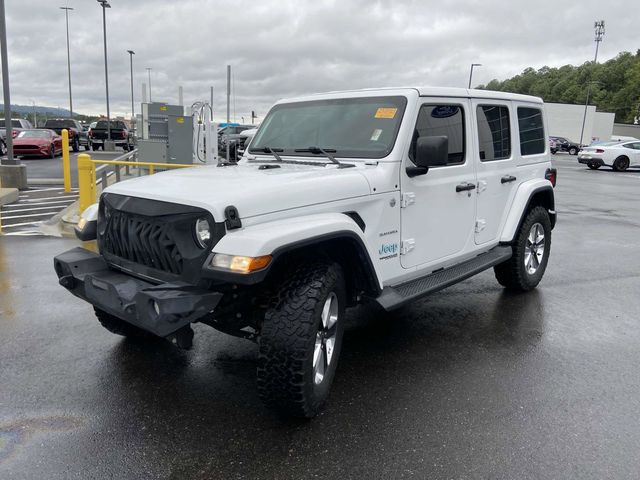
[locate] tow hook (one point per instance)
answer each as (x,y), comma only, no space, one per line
(182,338)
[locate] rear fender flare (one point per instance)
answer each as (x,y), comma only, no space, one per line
(521,203)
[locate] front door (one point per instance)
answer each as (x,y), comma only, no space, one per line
(438,208)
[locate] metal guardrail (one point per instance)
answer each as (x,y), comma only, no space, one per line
(88,171)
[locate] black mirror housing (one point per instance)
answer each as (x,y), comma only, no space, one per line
(432,151)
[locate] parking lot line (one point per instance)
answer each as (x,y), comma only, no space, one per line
(57,202)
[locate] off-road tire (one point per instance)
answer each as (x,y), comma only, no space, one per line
(512,274)
(620,164)
(593,166)
(573,151)
(287,340)
(120,327)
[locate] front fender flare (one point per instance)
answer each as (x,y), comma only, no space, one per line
(281,236)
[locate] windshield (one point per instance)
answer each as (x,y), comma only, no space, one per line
(60,123)
(350,127)
(115,124)
(34,134)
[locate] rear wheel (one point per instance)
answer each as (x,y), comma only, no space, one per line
(301,339)
(573,151)
(524,270)
(621,164)
(120,327)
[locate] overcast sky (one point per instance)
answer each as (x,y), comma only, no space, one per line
(282,48)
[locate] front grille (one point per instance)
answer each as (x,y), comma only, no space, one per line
(154,238)
(141,240)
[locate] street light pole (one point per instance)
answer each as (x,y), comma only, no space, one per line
(105,5)
(131,54)
(5,88)
(149,74)
(471,72)
(66,14)
(599,30)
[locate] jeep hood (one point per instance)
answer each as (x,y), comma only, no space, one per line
(251,190)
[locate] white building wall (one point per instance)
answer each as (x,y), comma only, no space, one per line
(566,121)
(602,126)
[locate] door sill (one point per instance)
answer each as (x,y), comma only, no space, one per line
(398,295)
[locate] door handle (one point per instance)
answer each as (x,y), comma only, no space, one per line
(507,179)
(463,187)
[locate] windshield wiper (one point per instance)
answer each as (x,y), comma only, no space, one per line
(272,151)
(327,153)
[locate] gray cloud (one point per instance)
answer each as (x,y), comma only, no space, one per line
(281,48)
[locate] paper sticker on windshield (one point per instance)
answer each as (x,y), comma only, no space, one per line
(386,112)
(376,135)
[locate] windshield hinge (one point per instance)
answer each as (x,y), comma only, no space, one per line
(407,245)
(407,198)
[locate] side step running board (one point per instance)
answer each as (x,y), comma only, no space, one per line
(398,295)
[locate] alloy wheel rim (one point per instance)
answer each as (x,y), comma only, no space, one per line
(325,339)
(534,248)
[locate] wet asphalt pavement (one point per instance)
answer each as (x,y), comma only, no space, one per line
(471,382)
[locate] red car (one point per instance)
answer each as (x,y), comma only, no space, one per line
(46,143)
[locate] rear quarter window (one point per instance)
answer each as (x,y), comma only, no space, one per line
(531,128)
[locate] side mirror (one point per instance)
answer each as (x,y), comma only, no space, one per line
(430,152)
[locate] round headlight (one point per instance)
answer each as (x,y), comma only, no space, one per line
(203,232)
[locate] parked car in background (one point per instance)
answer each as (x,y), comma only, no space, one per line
(73,127)
(37,142)
(617,155)
(231,134)
(244,140)
(17,124)
(119,134)
(553,146)
(565,145)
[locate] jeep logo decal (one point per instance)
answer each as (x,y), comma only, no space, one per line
(387,248)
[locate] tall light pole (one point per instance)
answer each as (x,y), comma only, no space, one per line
(149,74)
(599,31)
(105,5)
(5,88)
(471,72)
(131,54)
(66,14)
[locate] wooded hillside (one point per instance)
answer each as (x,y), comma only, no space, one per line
(615,85)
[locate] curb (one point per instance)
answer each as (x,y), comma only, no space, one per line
(8,195)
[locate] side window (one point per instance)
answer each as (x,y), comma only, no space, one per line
(445,120)
(494,133)
(531,131)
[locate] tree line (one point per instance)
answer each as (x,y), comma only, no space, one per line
(614,85)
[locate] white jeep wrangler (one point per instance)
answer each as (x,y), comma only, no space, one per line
(383,195)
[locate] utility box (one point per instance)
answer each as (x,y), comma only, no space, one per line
(167,134)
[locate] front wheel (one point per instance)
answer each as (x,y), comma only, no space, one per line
(52,152)
(301,339)
(76,145)
(621,164)
(593,166)
(524,270)
(3,149)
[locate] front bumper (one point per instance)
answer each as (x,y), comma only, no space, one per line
(159,309)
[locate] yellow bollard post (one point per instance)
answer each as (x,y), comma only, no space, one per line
(86,173)
(66,164)
(151,170)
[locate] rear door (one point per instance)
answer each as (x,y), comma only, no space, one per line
(496,165)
